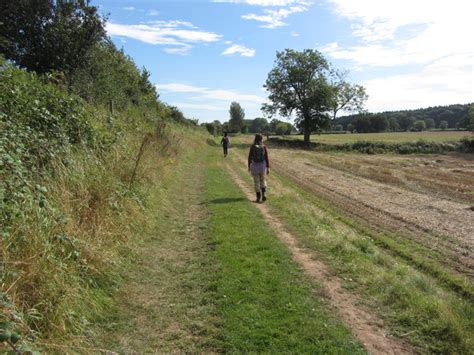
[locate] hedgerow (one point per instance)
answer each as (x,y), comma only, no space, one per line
(73,182)
(420,147)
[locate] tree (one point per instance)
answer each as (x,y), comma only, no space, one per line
(283,128)
(404,122)
(210,128)
(362,123)
(443,125)
(346,97)
(108,74)
(237,115)
(217,127)
(430,123)
(419,125)
(298,83)
(378,123)
(259,125)
(393,124)
(470,118)
(47,35)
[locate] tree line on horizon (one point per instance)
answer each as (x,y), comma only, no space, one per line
(238,124)
(458,116)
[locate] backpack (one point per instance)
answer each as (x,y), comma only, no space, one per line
(258,153)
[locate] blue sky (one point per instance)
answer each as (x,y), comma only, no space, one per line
(204,54)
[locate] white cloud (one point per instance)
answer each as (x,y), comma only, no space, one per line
(432,36)
(178,36)
(204,93)
(129,8)
(275,12)
(181,50)
(242,50)
(153,13)
(441,83)
(273,18)
(404,32)
(172,24)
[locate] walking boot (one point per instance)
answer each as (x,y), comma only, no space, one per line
(264,198)
(258,197)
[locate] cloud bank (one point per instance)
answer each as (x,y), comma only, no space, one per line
(178,36)
(427,42)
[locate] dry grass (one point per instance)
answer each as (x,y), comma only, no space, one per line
(60,260)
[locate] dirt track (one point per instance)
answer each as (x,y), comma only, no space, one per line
(366,327)
(434,221)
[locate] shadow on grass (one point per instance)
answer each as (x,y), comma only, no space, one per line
(227,200)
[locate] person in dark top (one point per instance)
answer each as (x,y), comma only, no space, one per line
(259,166)
(225,144)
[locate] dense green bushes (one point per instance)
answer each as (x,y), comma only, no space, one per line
(109,76)
(39,123)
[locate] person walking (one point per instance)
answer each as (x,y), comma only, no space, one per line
(259,166)
(225,144)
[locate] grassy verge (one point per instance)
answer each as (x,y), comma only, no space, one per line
(166,302)
(265,302)
(60,264)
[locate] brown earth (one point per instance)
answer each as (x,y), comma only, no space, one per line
(447,176)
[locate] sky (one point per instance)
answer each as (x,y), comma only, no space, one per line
(204,54)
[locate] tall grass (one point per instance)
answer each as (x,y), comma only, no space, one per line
(60,258)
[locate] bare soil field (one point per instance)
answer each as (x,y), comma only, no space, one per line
(447,176)
(356,184)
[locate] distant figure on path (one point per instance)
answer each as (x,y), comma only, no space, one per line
(225,144)
(259,165)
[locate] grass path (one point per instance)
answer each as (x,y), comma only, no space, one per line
(166,303)
(421,309)
(218,273)
(212,276)
(366,327)
(266,302)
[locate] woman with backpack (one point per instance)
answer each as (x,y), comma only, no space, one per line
(259,165)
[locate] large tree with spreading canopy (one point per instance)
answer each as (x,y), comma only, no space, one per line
(304,85)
